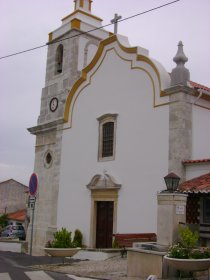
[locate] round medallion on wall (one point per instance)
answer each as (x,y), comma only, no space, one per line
(53,104)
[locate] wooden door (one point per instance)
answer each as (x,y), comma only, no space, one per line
(104,224)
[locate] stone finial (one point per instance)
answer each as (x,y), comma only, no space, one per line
(180,74)
(180,57)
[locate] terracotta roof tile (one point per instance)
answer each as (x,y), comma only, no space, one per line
(194,161)
(18,216)
(200,184)
(196,85)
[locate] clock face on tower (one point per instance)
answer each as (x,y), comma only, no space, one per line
(53,104)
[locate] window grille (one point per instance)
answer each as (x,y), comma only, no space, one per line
(108,139)
(59,59)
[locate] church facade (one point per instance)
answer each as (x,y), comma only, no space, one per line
(113,122)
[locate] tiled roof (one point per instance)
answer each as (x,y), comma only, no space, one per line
(199,86)
(194,161)
(18,216)
(200,184)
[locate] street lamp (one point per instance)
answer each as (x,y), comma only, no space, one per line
(172,182)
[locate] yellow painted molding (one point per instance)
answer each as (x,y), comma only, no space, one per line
(95,60)
(50,36)
(128,49)
(75,23)
(81,3)
(150,62)
(84,13)
(164,104)
(71,95)
(90,3)
(163,93)
(98,54)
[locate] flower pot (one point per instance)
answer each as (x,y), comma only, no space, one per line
(188,264)
(61,252)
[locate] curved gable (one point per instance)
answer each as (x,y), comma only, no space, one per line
(133,56)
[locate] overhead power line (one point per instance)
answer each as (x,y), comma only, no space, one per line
(89,31)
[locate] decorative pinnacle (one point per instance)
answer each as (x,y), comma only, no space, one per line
(180,57)
(180,75)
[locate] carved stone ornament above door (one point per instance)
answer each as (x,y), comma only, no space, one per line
(103,182)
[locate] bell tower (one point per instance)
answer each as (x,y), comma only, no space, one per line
(84,5)
(70,48)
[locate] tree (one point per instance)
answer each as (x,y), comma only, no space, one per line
(3,220)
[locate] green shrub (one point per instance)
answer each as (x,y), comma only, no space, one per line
(62,239)
(186,249)
(3,220)
(178,252)
(200,253)
(77,241)
(189,239)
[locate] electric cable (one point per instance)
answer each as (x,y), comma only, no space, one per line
(89,31)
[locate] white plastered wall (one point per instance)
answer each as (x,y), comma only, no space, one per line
(200,133)
(200,141)
(91,51)
(141,158)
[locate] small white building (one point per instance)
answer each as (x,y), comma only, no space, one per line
(113,123)
(13,196)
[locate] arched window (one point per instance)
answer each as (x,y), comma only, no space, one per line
(107,137)
(59,60)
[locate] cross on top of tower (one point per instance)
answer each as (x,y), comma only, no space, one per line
(115,22)
(83,4)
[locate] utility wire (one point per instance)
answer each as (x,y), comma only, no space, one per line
(89,31)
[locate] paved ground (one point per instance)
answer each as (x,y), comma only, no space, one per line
(111,269)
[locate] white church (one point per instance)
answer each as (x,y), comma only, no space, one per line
(113,122)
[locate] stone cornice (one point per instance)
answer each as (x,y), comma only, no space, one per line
(185,89)
(45,127)
(178,89)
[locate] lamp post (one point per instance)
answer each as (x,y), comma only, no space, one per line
(172,182)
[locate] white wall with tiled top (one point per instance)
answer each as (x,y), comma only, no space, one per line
(141,159)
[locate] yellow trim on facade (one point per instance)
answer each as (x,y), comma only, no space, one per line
(128,50)
(99,53)
(148,61)
(84,13)
(75,23)
(81,3)
(90,3)
(163,93)
(50,36)
(71,95)
(92,64)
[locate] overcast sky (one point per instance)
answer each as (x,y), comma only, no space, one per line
(26,23)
